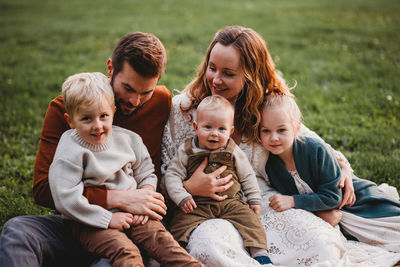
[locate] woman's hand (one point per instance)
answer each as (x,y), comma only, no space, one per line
(332,217)
(207,185)
(346,181)
(138,201)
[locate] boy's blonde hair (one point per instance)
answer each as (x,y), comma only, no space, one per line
(286,103)
(216,102)
(86,88)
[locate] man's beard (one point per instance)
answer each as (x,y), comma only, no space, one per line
(125,112)
(119,101)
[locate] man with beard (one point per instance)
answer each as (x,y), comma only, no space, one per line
(135,67)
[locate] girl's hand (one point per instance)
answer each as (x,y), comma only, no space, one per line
(332,217)
(189,206)
(140,219)
(346,181)
(281,202)
(207,185)
(121,220)
(256,209)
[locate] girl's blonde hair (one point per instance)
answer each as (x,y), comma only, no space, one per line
(286,103)
(86,89)
(260,78)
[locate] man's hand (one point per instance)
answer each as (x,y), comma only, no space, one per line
(121,220)
(256,209)
(332,217)
(281,202)
(138,201)
(346,181)
(148,187)
(207,185)
(189,206)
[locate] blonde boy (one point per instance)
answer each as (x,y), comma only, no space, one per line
(213,127)
(94,153)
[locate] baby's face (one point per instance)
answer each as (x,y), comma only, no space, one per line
(213,128)
(93,122)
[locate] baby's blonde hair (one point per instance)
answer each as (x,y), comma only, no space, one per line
(216,102)
(286,103)
(86,88)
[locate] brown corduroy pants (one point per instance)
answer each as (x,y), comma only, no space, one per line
(119,247)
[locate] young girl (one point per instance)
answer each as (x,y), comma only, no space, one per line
(306,175)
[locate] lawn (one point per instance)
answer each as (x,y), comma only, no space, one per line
(344,56)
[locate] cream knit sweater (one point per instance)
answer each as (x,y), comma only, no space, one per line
(121,163)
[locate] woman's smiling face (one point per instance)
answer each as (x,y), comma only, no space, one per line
(224,75)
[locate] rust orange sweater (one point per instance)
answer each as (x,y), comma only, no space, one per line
(148,122)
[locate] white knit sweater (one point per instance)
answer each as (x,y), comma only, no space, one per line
(121,163)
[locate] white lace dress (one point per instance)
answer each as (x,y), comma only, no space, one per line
(295,237)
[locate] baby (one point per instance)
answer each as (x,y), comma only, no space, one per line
(213,127)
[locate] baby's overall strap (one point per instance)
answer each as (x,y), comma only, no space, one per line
(188,146)
(230,146)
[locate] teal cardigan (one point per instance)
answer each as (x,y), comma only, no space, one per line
(318,167)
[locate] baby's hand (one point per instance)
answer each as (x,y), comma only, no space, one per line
(189,206)
(121,220)
(281,202)
(148,187)
(140,219)
(256,209)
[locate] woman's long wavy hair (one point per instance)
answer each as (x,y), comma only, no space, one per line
(261,78)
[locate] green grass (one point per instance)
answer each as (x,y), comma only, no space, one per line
(344,55)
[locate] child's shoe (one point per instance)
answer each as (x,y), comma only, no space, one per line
(263,259)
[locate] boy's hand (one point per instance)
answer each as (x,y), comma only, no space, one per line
(140,219)
(121,220)
(256,209)
(189,206)
(148,187)
(281,202)
(332,217)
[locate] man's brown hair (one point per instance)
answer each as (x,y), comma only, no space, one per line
(144,52)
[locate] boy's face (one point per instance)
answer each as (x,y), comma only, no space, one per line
(131,89)
(213,128)
(277,131)
(93,122)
